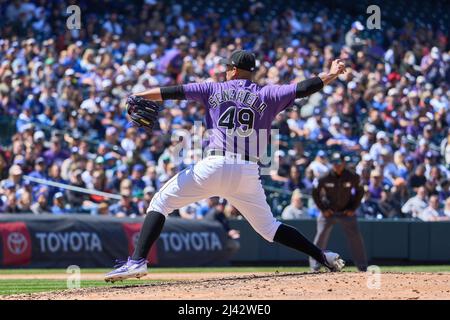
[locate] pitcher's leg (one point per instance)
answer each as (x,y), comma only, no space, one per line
(150,231)
(292,238)
(254,208)
(178,192)
(324,227)
(256,211)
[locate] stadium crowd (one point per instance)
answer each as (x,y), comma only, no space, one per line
(65,90)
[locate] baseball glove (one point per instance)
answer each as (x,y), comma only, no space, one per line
(142,112)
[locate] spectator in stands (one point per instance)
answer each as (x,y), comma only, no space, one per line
(295,209)
(68,164)
(189,212)
(444,193)
(417,179)
(54,175)
(398,195)
(313,125)
(308,180)
(382,145)
(76,81)
(281,174)
(370,207)
(8,188)
(386,206)
(367,139)
(421,151)
(76,199)
(116,177)
(376,185)
(3,166)
(217,213)
(415,205)
(433,212)
(15,176)
(397,168)
(25,201)
(55,155)
(59,206)
(319,164)
(99,184)
(10,205)
(353,37)
(344,139)
(101,210)
(138,183)
(434,170)
(295,123)
(124,207)
(295,180)
(447,208)
(365,163)
(39,169)
(205,206)
(445,149)
(41,205)
(169,171)
(149,192)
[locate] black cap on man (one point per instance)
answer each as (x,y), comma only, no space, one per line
(241,59)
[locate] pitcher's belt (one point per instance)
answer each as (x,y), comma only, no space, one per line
(216,152)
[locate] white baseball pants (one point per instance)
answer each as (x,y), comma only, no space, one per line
(238,182)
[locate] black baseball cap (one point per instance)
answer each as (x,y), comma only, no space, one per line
(337,158)
(241,59)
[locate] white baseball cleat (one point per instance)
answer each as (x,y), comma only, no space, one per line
(333,261)
(128,269)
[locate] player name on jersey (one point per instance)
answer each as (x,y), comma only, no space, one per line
(246,97)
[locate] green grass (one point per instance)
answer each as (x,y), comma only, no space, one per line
(427,268)
(437,268)
(19,286)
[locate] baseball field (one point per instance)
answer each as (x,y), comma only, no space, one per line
(228,283)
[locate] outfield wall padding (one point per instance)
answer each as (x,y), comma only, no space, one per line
(408,241)
(48,241)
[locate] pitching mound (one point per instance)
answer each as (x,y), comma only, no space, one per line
(273,286)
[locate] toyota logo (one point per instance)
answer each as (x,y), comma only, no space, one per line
(17,243)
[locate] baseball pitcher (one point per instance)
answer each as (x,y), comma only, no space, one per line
(238,110)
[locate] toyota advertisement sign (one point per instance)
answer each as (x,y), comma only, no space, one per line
(16,244)
(48,241)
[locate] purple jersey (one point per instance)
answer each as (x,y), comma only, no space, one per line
(240,112)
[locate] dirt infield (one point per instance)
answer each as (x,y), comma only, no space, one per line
(271,286)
